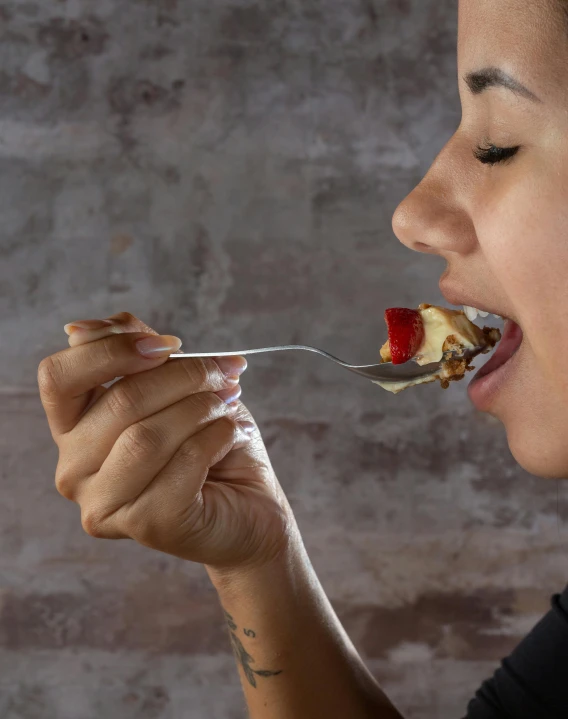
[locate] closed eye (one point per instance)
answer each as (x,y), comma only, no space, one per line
(492,155)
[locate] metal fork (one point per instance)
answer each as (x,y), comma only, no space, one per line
(385,372)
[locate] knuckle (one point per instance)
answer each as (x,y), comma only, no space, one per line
(197,372)
(65,482)
(123,398)
(110,346)
(192,454)
(205,404)
(125,318)
(227,427)
(48,378)
(141,439)
(211,367)
(92,521)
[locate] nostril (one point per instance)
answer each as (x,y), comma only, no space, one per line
(422,247)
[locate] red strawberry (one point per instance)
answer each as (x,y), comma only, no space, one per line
(406,333)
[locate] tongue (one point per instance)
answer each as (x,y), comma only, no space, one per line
(512,338)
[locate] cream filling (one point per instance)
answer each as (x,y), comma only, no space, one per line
(397,387)
(439,324)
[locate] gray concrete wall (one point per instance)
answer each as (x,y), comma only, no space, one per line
(227,170)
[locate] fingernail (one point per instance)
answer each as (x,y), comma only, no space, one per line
(230,395)
(86,325)
(159,346)
(232,366)
(247,427)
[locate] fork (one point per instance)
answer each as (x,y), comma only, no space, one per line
(385,372)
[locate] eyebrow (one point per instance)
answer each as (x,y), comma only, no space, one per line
(482,80)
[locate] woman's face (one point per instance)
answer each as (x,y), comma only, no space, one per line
(500,216)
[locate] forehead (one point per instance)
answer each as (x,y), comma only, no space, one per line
(526,38)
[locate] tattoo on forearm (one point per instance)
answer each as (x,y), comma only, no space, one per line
(230,622)
(243,657)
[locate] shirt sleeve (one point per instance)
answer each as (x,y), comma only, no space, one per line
(533,681)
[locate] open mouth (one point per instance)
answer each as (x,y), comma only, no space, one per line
(506,349)
(512,336)
(488,381)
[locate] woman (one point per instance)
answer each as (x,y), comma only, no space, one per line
(168,456)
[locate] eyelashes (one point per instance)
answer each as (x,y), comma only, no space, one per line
(492,155)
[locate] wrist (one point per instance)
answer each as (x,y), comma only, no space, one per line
(280,568)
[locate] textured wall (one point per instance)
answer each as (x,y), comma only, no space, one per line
(227,170)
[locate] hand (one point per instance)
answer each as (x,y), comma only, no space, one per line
(166,456)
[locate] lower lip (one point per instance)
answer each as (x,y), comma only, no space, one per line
(491,377)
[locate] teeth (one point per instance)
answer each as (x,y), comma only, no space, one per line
(470,313)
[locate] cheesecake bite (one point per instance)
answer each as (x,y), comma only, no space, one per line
(434,334)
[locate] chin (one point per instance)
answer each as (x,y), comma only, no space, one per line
(533,410)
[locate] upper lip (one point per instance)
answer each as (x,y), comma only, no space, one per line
(456,298)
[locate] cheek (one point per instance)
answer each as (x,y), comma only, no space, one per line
(523,234)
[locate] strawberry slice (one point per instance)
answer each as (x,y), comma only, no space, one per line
(406,333)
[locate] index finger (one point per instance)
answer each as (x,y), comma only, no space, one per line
(120,323)
(68,378)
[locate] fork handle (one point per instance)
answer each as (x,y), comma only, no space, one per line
(259,351)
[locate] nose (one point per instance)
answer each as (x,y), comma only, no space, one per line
(433,218)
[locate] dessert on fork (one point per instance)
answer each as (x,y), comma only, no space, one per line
(434,334)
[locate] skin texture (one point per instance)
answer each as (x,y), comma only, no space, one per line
(160,457)
(503,229)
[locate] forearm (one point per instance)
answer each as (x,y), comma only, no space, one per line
(294,657)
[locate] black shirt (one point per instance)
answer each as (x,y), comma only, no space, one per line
(532,683)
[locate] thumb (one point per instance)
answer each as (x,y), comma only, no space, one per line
(85,331)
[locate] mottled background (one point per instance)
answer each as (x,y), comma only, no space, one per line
(227,170)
